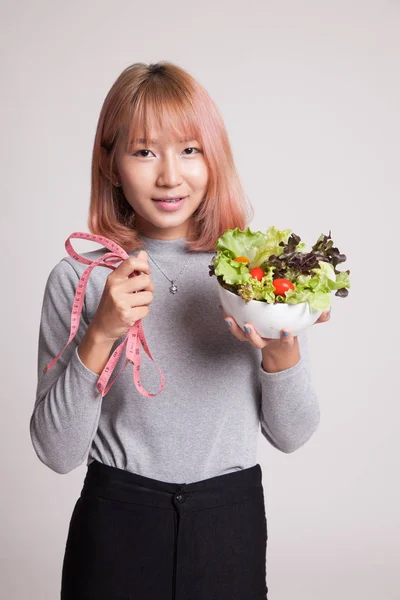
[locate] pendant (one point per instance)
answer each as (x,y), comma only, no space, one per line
(173,289)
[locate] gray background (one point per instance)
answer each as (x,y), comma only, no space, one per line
(310,93)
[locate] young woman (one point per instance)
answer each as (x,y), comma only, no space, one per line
(172,505)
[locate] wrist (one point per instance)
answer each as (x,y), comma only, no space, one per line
(94,350)
(98,337)
(282,359)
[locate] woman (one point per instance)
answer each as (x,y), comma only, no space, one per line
(172,505)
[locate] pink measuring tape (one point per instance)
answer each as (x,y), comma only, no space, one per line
(135,333)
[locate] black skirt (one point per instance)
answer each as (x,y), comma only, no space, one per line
(136,538)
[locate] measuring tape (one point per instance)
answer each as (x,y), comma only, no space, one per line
(135,333)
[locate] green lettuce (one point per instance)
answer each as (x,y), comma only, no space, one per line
(280,254)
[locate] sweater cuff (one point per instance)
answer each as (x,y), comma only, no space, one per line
(82,369)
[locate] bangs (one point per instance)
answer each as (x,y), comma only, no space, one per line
(159,111)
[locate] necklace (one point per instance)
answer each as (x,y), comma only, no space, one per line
(172,288)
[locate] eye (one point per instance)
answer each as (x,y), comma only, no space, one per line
(197,149)
(136,153)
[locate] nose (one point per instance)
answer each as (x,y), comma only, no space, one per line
(169,173)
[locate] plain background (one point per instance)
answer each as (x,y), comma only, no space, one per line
(310,94)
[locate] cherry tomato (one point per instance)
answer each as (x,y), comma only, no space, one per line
(282,286)
(257,273)
(242,259)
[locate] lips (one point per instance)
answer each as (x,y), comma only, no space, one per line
(169,205)
(166,199)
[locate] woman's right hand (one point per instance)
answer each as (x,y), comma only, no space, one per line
(120,307)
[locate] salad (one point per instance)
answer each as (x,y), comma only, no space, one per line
(274,267)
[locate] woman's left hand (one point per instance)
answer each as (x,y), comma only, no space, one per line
(286,339)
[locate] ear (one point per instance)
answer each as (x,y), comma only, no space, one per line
(104,162)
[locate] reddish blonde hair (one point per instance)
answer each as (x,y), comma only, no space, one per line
(165,94)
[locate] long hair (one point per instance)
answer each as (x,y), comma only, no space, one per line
(165,94)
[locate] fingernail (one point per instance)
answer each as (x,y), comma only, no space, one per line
(228,323)
(247,329)
(285,333)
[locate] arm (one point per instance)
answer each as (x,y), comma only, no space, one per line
(289,412)
(68,405)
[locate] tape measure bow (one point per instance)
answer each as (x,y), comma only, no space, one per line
(135,335)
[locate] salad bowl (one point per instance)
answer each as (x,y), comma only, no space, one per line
(272,282)
(268,319)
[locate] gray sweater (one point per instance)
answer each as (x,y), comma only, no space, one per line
(217,396)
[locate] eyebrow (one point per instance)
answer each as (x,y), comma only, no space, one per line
(143,141)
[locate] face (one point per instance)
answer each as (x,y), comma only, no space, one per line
(163,168)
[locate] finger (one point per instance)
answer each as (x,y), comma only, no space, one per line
(142,299)
(234,328)
(287,338)
(140,282)
(131,266)
(325,316)
(253,337)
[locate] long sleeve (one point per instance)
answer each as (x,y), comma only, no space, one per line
(289,413)
(68,405)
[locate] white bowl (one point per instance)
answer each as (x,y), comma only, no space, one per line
(267,319)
